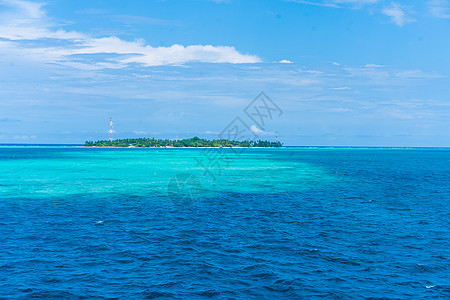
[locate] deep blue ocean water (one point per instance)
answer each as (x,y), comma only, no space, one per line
(293,223)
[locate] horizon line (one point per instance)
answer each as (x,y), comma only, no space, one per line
(298,146)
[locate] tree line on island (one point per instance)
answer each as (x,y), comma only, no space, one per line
(192,142)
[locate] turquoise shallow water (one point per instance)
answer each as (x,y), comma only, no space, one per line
(265,223)
(57,171)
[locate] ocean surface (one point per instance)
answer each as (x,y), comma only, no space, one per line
(292,223)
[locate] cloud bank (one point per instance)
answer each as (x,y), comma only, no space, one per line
(26,30)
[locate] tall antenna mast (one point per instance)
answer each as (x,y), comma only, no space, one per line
(276,137)
(110,129)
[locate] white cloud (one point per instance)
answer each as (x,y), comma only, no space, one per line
(30,9)
(373,66)
(24,22)
(285,61)
(342,88)
(337,3)
(24,137)
(417,74)
(320,3)
(358,2)
(440,8)
(256,130)
(398,14)
(340,109)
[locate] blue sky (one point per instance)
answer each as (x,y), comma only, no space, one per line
(344,72)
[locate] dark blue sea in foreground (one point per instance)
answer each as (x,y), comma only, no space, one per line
(292,223)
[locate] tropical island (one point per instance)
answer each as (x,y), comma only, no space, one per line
(194,142)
